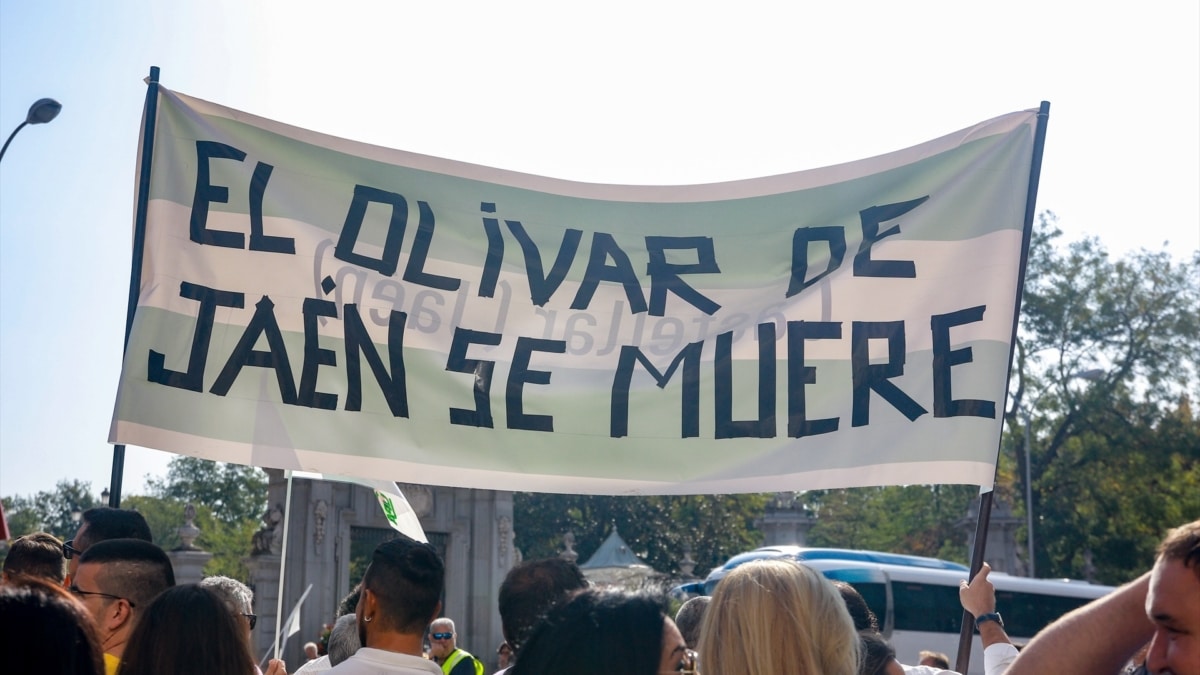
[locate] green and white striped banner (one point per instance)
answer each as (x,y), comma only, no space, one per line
(318,304)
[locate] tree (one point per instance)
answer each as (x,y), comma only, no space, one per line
(235,493)
(1112,460)
(54,512)
(229,500)
(228,543)
(657,529)
(914,519)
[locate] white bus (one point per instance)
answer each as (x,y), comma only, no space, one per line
(916,599)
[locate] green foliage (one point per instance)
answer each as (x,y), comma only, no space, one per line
(234,492)
(228,543)
(914,519)
(1113,491)
(54,512)
(229,500)
(657,529)
(1115,461)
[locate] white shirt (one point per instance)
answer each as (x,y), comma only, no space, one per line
(996,660)
(315,666)
(998,657)
(368,661)
(926,670)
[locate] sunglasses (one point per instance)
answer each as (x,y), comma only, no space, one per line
(252,618)
(79,591)
(441,636)
(69,550)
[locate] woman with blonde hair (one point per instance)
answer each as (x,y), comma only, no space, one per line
(777,617)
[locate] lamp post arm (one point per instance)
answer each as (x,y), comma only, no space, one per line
(10,137)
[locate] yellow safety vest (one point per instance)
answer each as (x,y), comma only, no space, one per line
(458,655)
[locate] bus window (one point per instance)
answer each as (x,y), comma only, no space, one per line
(1027,613)
(876,597)
(926,607)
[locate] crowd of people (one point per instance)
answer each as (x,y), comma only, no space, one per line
(114,607)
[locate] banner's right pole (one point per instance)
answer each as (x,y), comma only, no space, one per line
(985,499)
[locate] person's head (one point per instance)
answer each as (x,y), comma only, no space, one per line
(878,657)
(1173,603)
(503,655)
(348,604)
(599,632)
(442,638)
(401,594)
(689,617)
(46,630)
(934,659)
(860,611)
(38,554)
(188,630)
(100,524)
(529,590)
(343,639)
(775,616)
(236,595)
(116,580)
(310,650)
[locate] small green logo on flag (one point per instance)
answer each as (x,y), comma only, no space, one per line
(389,509)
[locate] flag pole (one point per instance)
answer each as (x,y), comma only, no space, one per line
(283,550)
(985,498)
(145,166)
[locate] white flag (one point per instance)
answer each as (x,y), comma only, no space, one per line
(290,627)
(396,509)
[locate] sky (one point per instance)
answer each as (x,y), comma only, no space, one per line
(615,92)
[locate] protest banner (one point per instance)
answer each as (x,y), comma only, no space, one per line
(312,303)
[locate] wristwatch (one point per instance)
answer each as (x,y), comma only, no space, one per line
(990,616)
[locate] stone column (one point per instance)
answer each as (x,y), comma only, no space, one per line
(264,581)
(786,521)
(1001,550)
(188,560)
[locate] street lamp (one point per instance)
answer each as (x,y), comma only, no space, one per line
(42,111)
(1089,375)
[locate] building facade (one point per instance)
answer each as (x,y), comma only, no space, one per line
(332,529)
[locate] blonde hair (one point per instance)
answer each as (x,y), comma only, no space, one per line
(777,617)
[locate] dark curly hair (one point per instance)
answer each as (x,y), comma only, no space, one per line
(597,632)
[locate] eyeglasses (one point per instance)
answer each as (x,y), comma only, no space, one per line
(252,618)
(79,591)
(441,636)
(69,550)
(687,664)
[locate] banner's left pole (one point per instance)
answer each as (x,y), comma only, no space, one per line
(145,165)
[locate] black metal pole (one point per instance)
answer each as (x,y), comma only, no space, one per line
(985,500)
(10,137)
(967,631)
(145,165)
